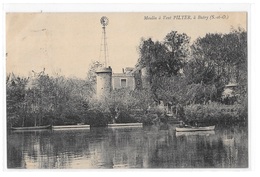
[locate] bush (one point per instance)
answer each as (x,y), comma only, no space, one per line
(150,119)
(97,119)
(125,117)
(213,112)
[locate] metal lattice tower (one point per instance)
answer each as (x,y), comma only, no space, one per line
(103,56)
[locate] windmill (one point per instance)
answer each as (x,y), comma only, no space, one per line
(104,59)
(104,74)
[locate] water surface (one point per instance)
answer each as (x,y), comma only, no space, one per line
(148,147)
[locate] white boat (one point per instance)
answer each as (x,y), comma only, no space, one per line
(196,133)
(32,128)
(70,127)
(192,129)
(125,125)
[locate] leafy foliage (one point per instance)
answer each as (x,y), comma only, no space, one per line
(163,59)
(214,112)
(45,100)
(167,57)
(197,73)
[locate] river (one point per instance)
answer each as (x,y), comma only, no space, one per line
(147,147)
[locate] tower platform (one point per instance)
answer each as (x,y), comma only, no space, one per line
(104,70)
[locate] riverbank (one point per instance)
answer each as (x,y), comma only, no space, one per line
(194,113)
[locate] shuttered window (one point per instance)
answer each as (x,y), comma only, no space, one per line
(123,83)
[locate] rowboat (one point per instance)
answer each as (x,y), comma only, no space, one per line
(31,128)
(196,133)
(70,127)
(125,125)
(192,129)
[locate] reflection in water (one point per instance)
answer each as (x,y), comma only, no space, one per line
(148,147)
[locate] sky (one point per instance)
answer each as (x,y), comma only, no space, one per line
(67,43)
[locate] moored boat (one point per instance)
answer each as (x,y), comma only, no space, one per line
(31,128)
(70,127)
(125,125)
(191,129)
(196,133)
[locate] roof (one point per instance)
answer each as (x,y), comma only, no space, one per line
(122,75)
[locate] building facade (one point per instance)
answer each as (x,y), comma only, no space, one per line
(125,79)
(130,78)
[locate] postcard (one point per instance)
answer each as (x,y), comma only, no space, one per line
(153,90)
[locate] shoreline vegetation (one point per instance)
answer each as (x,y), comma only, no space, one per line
(189,79)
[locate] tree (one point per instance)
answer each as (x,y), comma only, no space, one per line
(218,59)
(91,74)
(15,99)
(223,55)
(165,58)
(177,51)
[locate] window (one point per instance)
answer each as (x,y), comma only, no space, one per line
(123,83)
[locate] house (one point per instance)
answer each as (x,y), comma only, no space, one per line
(125,79)
(132,78)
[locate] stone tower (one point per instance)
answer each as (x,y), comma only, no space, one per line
(104,82)
(104,74)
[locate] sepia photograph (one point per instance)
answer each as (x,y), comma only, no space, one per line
(127,90)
